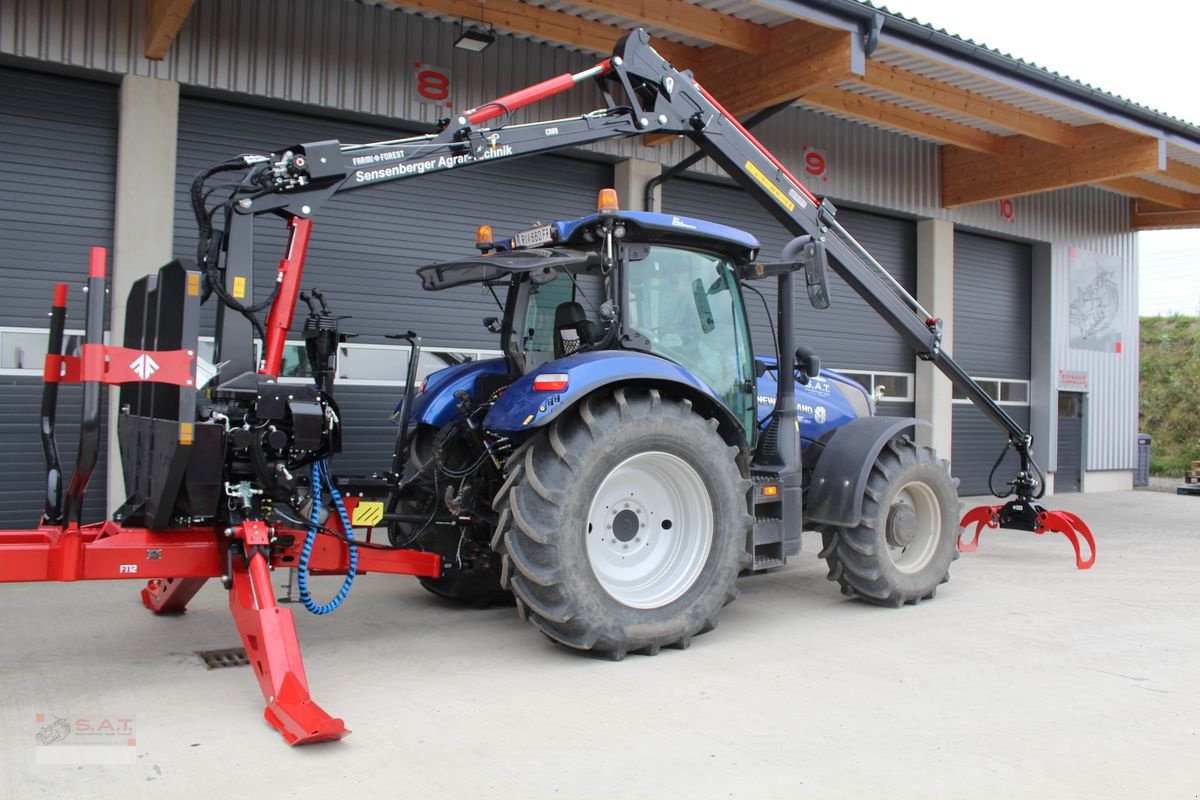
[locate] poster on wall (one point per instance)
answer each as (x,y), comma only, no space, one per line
(1095,286)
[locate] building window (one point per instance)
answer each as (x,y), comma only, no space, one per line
(1003,390)
(23,350)
(887,387)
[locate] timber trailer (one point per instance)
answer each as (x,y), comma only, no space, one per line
(615,471)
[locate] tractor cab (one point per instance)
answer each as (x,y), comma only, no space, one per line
(638,282)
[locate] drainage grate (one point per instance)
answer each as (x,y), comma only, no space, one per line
(232,657)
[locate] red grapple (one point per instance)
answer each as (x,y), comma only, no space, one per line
(1028,516)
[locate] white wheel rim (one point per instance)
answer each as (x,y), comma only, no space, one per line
(918,499)
(649,530)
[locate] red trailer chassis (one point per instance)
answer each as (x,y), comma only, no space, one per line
(178,562)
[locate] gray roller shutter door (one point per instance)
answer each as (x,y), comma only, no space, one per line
(367,244)
(58,152)
(992,288)
(848,334)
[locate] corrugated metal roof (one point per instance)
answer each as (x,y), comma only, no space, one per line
(972,83)
(928,110)
(1020,61)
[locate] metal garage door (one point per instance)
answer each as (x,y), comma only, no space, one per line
(367,244)
(848,335)
(58,153)
(992,286)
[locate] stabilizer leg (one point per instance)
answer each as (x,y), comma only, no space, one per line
(170,595)
(269,635)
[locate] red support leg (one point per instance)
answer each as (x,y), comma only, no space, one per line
(269,635)
(170,595)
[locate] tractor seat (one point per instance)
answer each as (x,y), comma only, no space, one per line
(573,331)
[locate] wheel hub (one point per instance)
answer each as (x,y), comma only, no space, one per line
(901,526)
(649,530)
(914,526)
(625,525)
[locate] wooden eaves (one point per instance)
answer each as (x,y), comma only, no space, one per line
(990,149)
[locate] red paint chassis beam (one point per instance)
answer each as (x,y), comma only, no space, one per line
(106,551)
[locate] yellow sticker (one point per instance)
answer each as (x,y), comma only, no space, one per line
(193,284)
(771,188)
(528,420)
(367,514)
(239,287)
(187,433)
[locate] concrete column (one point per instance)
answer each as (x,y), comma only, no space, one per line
(145,213)
(1043,380)
(631,177)
(935,291)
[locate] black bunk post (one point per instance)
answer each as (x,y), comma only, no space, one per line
(52,515)
(92,374)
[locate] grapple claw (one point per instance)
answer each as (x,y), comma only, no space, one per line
(1021,514)
(1072,527)
(982,516)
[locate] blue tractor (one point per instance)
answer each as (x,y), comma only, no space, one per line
(619,466)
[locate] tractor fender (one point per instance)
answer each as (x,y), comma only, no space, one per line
(522,408)
(835,491)
(437,405)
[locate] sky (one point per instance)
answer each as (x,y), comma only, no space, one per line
(1141,51)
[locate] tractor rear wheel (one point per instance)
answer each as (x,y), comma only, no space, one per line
(624,524)
(901,550)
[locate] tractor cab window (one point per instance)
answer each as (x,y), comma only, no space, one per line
(687,304)
(561,318)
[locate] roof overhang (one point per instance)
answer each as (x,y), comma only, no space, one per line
(1006,127)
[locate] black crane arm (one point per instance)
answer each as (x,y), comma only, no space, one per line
(651,97)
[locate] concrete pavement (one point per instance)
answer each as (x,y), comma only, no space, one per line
(1025,678)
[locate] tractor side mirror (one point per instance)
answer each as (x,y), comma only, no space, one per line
(811,254)
(815,267)
(808,364)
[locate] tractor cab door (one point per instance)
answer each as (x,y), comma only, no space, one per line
(687,305)
(556,318)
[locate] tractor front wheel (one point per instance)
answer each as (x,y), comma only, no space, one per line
(901,550)
(624,524)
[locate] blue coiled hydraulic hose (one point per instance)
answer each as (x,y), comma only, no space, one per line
(320,481)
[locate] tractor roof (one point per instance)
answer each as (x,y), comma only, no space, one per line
(668,229)
(557,246)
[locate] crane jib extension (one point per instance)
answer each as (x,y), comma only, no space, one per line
(158,369)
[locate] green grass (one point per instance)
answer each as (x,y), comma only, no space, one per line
(1170,392)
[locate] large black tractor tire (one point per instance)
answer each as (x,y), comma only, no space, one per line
(475,587)
(902,549)
(623,525)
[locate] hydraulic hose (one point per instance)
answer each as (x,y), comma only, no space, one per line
(321,481)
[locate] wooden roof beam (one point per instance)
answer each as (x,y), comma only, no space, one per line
(684,18)
(1028,166)
(554,26)
(1155,192)
(1184,173)
(163,20)
(801,57)
(904,83)
(906,119)
(1145,216)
